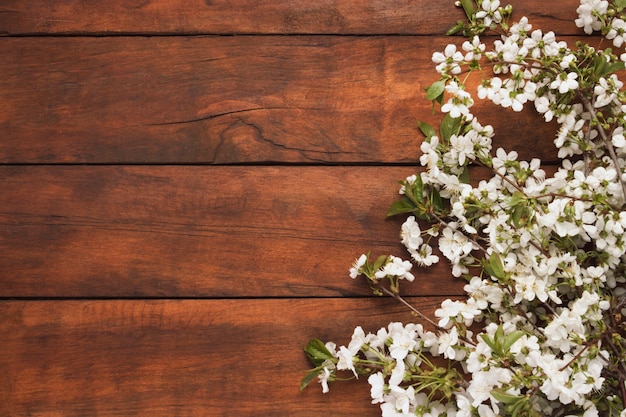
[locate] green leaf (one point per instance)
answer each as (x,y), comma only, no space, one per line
(613,67)
(415,191)
(427,130)
(510,339)
(418,189)
(621,4)
(468,7)
(308,378)
(598,63)
(519,216)
(489,341)
(520,405)
(449,126)
(436,200)
(497,338)
(464,178)
(501,344)
(504,397)
(459,26)
(496,268)
(487,268)
(400,207)
(379,262)
(603,68)
(435,90)
(317,352)
(516,198)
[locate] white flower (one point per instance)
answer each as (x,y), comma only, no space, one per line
(377,383)
(528,287)
(490,88)
(403,341)
(560,217)
(502,158)
(454,245)
(358,340)
(449,53)
(424,255)
(617,32)
(522,26)
(478,357)
(430,156)
(355,270)
(474,49)
(447,342)
(587,11)
(402,398)
(462,147)
(346,360)
(565,82)
(559,330)
(617,138)
(448,61)
(586,302)
(452,185)
(323,378)
(463,404)
(452,312)
(542,105)
(490,12)
(524,345)
(460,102)
(485,410)
(395,267)
(484,382)
(516,99)
(411,234)
(537,43)
(484,293)
(606,91)
(567,61)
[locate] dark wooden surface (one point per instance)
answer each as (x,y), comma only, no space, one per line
(179,208)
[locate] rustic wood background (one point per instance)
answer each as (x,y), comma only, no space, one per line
(184,185)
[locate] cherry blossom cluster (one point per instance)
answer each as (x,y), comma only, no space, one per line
(542,250)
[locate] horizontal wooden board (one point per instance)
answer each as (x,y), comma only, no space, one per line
(225,100)
(258,16)
(180,358)
(184,231)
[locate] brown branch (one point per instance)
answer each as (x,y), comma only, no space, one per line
(607,143)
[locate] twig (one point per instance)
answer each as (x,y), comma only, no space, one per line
(411,307)
(607,144)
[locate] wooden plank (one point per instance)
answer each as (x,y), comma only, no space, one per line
(185,231)
(179,358)
(254,17)
(223,100)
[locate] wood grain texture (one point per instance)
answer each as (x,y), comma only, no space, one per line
(179,209)
(198,231)
(258,16)
(129,358)
(225,100)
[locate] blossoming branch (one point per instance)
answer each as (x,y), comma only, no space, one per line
(541,331)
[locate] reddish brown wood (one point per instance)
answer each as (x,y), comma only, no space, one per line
(264,249)
(259,16)
(197,231)
(179,358)
(227,100)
